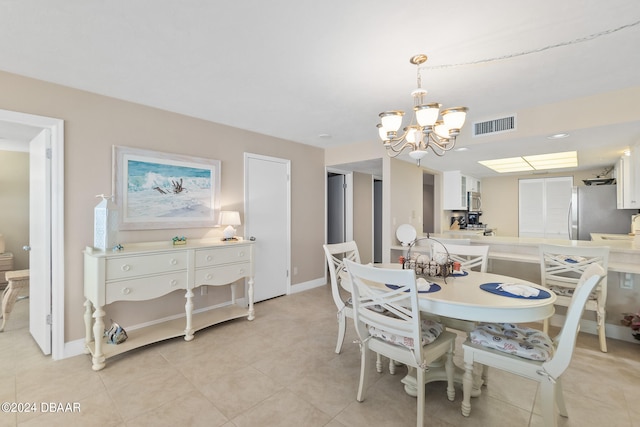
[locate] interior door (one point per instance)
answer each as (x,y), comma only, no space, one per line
(336,221)
(267,218)
(40,240)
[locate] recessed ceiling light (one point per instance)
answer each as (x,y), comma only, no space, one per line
(558,136)
(461,149)
(324,136)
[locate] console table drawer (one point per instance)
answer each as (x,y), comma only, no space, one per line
(123,268)
(145,288)
(222,275)
(210,257)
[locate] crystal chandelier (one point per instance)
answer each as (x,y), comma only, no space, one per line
(426,130)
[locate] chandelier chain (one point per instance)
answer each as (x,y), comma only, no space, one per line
(538,50)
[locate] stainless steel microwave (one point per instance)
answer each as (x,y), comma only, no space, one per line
(474,202)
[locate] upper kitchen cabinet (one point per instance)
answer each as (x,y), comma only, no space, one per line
(455,186)
(627,174)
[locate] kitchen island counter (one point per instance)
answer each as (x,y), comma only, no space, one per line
(624,255)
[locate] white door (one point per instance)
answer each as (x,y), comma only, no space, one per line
(267,213)
(40,240)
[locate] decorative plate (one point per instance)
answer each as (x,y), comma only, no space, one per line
(406,234)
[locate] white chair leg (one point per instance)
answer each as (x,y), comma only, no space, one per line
(342,329)
(562,408)
(545,326)
(378,363)
(421,396)
(601,315)
(392,367)
(364,353)
(547,403)
(485,375)
(467,385)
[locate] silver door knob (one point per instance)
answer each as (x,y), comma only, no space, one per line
(26,248)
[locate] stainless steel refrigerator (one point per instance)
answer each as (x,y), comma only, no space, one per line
(593,210)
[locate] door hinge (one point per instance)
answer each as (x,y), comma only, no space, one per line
(48,154)
(49,319)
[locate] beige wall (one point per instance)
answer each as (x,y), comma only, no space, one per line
(500,199)
(363,215)
(406,196)
(14,205)
(94,123)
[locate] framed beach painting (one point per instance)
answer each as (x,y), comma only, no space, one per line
(155,190)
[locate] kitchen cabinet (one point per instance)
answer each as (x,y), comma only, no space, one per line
(627,173)
(455,186)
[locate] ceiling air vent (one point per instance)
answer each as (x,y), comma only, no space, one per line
(504,124)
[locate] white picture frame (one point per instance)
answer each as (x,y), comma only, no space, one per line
(156,190)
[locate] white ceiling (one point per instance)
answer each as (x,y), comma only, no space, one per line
(299,69)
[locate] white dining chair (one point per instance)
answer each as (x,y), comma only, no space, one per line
(400,333)
(530,353)
(469,256)
(336,254)
(560,270)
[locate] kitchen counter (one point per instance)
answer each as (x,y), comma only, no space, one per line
(607,237)
(624,256)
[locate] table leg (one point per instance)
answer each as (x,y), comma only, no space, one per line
(98,332)
(188,308)
(252,313)
(437,372)
(88,335)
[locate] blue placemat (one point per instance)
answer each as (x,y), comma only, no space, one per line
(433,288)
(493,288)
(460,273)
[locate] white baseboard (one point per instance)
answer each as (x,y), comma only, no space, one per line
(617,332)
(305,286)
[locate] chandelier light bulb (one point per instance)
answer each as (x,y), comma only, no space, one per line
(427,114)
(391,120)
(441,129)
(454,117)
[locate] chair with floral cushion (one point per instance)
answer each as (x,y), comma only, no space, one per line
(560,270)
(399,333)
(531,353)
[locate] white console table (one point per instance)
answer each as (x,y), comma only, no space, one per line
(143,271)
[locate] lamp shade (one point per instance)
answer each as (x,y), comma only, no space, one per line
(391,120)
(427,114)
(229,218)
(454,117)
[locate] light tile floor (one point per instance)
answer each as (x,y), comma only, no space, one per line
(280,370)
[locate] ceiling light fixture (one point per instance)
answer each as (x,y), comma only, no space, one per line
(425,130)
(558,135)
(568,159)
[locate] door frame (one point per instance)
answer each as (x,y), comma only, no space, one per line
(56,126)
(348,202)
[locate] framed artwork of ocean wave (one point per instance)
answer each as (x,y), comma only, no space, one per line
(155,190)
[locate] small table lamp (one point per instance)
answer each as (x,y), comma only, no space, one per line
(229,218)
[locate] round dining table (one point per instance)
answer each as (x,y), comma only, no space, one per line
(460,296)
(460,299)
